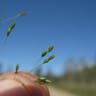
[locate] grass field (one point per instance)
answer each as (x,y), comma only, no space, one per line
(58,92)
(79,89)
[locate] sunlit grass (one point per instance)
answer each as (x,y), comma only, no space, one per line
(79,89)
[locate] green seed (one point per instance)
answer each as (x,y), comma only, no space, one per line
(43,80)
(50,48)
(10,29)
(17,68)
(46,61)
(43,53)
(22,14)
(48,81)
(12,25)
(51,57)
(8,32)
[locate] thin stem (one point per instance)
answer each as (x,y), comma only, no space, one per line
(11,18)
(4,43)
(35,67)
(36,64)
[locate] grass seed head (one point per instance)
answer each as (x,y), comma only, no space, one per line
(43,53)
(50,48)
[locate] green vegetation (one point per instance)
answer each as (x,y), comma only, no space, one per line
(77,80)
(81,82)
(78,89)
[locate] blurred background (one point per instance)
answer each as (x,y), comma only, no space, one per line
(69,25)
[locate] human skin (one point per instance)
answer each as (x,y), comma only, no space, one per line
(21,84)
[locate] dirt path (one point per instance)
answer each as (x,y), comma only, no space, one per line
(56,92)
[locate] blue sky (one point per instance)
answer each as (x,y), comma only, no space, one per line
(69,25)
